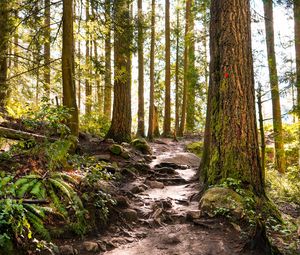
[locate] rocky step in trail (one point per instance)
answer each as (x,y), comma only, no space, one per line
(161,215)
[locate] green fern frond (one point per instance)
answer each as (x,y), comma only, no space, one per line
(27,178)
(37,210)
(38,225)
(65,177)
(26,188)
(38,190)
(57,202)
(63,187)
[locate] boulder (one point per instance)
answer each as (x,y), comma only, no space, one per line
(221,201)
(155,184)
(141,145)
(122,202)
(180,160)
(116,149)
(90,246)
(67,250)
(102,157)
(130,214)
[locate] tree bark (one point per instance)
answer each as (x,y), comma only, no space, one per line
(167,117)
(4,37)
(120,129)
(88,90)
(47,50)
(277,122)
(107,78)
(141,111)
(69,91)
(231,147)
(186,66)
(152,52)
(177,74)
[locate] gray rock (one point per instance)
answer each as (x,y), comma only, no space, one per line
(90,246)
(130,214)
(172,239)
(67,250)
(193,215)
(102,157)
(155,184)
(122,202)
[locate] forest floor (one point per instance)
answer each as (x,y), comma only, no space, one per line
(161,215)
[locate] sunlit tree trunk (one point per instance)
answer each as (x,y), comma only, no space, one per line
(141,112)
(88,91)
(167,116)
(152,52)
(47,50)
(107,78)
(4,37)
(177,74)
(69,91)
(120,129)
(277,122)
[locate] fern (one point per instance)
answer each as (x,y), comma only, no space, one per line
(36,221)
(26,188)
(38,190)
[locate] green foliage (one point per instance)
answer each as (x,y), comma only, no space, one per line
(196,148)
(94,124)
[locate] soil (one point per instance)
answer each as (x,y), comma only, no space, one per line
(160,216)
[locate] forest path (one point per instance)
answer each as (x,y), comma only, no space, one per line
(169,221)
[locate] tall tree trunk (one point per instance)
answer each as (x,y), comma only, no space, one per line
(141,112)
(191,75)
(47,51)
(297,49)
(186,66)
(231,147)
(69,91)
(277,122)
(107,78)
(177,73)
(120,129)
(152,52)
(88,91)
(79,78)
(167,117)
(4,37)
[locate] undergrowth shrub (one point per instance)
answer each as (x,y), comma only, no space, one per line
(94,124)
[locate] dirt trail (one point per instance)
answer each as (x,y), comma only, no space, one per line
(168,221)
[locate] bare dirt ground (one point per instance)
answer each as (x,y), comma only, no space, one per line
(160,216)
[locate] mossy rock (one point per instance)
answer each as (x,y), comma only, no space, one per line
(222,201)
(141,145)
(196,148)
(116,149)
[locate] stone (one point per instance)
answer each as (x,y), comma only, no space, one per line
(122,202)
(116,149)
(102,157)
(102,246)
(225,199)
(137,189)
(90,246)
(193,215)
(165,170)
(172,239)
(180,159)
(141,145)
(141,167)
(128,172)
(67,250)
(110,140)
(155,184)
(130,214)
(125,154)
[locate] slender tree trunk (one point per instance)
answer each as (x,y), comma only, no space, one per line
(69,91)
(231,147)
(297,49)
(167,117)
(4,36)
(141,111)
(79,78)
(107,78)
(186,66)
(191,75)
(120,129)
(156,132)
(261,130)
(177,74)
(152,52)
(277,122)
(47,51)
(88,92)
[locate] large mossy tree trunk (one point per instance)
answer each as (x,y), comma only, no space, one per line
(231,147)
(4,37)
(141,112)
(277,122)
(151,95)
(167,116)
(107,76)
(69,91)
(120,129)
